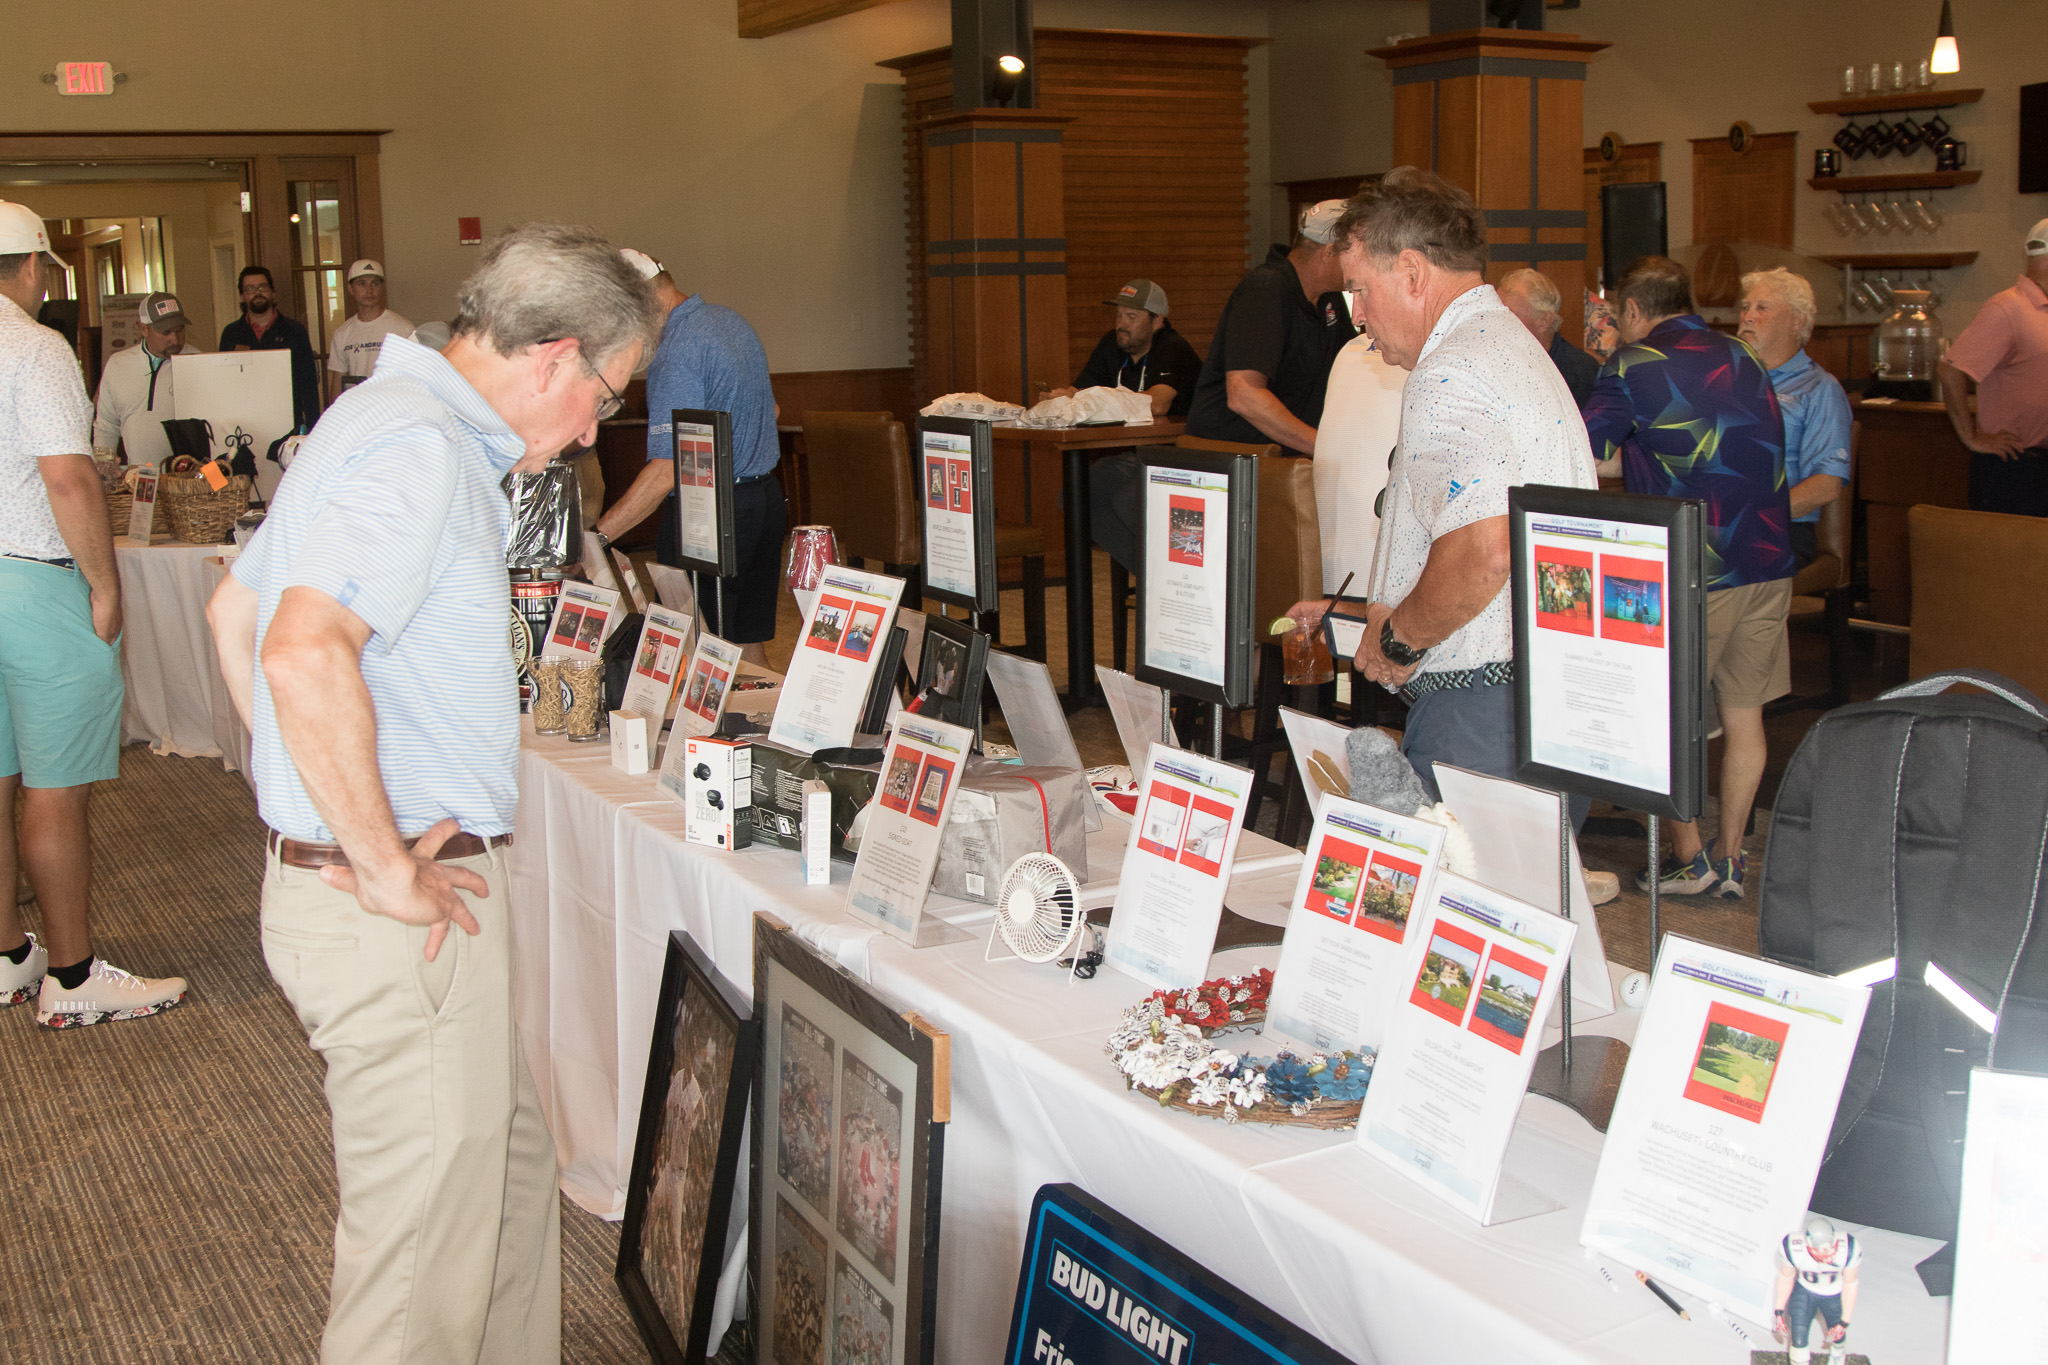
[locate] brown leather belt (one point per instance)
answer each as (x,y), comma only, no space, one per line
(312,857)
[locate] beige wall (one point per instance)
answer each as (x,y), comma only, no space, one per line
(188,210)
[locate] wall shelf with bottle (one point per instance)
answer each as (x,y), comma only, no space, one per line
(1897,102)
(1902,260)
(1904,180)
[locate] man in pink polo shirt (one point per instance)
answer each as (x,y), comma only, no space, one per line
(2005,349)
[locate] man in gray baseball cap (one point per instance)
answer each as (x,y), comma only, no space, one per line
(135,386)
(1143,353)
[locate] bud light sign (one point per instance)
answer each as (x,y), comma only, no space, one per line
(1097,1289)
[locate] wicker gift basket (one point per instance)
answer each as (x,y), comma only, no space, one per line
(198,514)
(120,502)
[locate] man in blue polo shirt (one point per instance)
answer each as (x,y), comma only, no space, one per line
(362,636)
(1777,317)
(710,358)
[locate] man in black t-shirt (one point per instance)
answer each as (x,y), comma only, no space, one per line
(1270,361)
(262,328)
(1142,353)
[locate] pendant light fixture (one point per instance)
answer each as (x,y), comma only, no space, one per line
(1946,61)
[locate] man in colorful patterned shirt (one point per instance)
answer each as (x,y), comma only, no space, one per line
(1683,411)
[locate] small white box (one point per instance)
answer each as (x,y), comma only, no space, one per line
(629,742)
(718,783)
(815,847)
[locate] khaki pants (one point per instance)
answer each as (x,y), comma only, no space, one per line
(448,1248)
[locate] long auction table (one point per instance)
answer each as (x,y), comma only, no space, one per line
(1301,1220)
(177,702)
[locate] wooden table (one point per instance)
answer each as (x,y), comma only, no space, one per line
(1907,454)
(1078,446)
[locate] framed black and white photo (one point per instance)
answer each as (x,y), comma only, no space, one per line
(686,1159)
(1195,587)
(705,541)
(957,511)
(851,1100)
(950,672)
(1610,645)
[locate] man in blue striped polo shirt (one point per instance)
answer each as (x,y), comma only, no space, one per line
(363,637)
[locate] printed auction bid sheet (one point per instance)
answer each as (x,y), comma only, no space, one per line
(707,685)
(1187,579)
(949,563)
(1169,898)
(1348,926)
(892,873)
(834,660)
(1599,661)
(697,491)
(1721,1122)
(657,664)
(1477,982)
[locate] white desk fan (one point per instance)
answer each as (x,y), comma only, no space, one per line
(1038,910)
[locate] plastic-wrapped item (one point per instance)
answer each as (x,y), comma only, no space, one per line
(1002,812)
(1090,406)
(547,519)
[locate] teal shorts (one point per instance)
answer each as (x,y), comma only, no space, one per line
(60,684)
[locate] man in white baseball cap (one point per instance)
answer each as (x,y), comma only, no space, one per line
(2005,349)
(60,658)
(135,386)
(352,350)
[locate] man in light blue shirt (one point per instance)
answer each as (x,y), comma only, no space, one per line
(1777,317)
(363,635)
(711,359)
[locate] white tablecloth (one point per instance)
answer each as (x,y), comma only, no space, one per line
(177,702)
(1301,1220)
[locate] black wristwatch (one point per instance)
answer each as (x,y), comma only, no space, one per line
(1395,651)
(604,542)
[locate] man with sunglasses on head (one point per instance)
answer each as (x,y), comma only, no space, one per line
(262,328)
(711,359)
(362,636)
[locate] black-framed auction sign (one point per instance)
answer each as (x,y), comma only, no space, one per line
(1096,1287)
(1610,644)
(956,463)
(703,456)
(1199,552)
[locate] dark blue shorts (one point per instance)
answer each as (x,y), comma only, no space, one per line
(760,519)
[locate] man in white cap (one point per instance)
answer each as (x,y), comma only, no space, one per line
(2005,349)
(135,386)
(352,350)
(60,657)
(710,358)
(1269,363)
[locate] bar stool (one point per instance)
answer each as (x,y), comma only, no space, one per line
(1290,570)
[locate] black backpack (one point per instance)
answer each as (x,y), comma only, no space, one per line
(1914,828)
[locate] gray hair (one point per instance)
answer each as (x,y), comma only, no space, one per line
(1543,295)
(1415,210)
(550,281)
(1791,289)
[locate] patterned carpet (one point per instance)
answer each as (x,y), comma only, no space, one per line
(172,1178)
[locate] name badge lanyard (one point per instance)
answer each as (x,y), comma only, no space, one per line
(156,366)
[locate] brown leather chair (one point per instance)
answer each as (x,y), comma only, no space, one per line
(1821,591)
(864,485)
(1977,577)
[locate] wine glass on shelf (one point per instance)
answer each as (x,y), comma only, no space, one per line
(1879,219)
(1929,213)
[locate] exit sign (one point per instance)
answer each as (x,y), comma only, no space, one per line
(85,78)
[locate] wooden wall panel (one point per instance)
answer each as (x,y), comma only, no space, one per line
(1744,197)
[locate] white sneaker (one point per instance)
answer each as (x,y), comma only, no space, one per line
(107,993)
(19,983)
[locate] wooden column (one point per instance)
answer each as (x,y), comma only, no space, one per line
(995,253)
(1499,112)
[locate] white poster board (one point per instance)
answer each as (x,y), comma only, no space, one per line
(1186,582)
(657,664)
(949,546)
(707,686)
(246,396)
(1169,896)
(1321,754)
(1479,975)
(584,615)
(1721,1122)
(834,661)
(1347,927)
(1514,840)
(142,511)
(1139,710)
(2001,1249)
(1599,649)
(892,873)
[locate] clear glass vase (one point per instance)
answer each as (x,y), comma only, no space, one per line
(1909,341)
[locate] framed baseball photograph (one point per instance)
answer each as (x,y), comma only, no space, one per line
(1610,646)
(686,1159)
(705,540)
(950,672)
(957,512)
(851,1100)
(1200,513)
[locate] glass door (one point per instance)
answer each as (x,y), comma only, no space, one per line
(321,225)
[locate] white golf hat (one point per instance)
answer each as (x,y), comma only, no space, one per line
(642,262)
(2037,239)
(1319,224)
(362,268)
(22,231)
